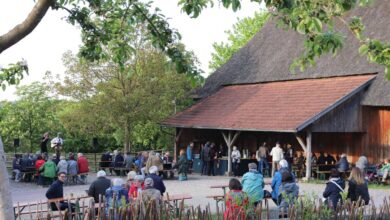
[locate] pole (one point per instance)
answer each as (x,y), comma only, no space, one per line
(308,154)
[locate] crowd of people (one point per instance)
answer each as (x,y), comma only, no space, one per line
(44,169)
(285,190)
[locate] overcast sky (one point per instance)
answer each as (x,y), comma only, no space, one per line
(43,48)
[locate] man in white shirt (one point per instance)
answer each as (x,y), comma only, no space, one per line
(277,155)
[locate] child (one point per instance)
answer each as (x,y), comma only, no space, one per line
(237,201)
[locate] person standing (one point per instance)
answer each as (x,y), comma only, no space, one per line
(99,186)
(289,156)
(56,191)
(56,144)
(190,156)
(44,141)
(213,157)
(236,157)
(182,166)
(277,155)
(205,156)
(261,156)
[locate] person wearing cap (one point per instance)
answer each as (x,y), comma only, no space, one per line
(136,186)
(99,186)
(253,184)
(277,180)
(150,193)
(115,193)
(158,182)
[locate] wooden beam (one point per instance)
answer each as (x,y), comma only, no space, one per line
(301,142)
(308,154)
(235,137)
(229,143)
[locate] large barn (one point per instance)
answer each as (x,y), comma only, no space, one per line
(342,105)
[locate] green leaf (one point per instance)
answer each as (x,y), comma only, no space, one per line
(301,28)
(318,24)
(363,49)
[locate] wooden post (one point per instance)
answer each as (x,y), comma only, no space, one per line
(177,136)
(229,143)
(308,154)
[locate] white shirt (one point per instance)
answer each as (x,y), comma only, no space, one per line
(236,156)
(276,153)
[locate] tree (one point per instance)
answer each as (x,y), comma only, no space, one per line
(242,32)
(30,116)
(314,20)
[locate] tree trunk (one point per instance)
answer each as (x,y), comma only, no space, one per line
(6,211)
(127,138)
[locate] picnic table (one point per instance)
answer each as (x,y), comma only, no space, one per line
(175,199)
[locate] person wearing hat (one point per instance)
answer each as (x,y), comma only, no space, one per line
(99,186)
(277,180)
(136,186)
(253,184)
(158,182)
(150,193)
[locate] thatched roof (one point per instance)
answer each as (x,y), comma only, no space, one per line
(267,57)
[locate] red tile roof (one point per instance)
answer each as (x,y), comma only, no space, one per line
(274,106)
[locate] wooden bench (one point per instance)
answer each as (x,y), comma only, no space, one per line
(175,199)
(217,198)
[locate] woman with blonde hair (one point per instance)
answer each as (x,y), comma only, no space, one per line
(358,187)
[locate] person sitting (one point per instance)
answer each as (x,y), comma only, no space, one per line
(83,167)
(153,160)
(277,180)
(333,188)
(342,165)
(182,165)
(105,160)
(26,167)
(130,179)
(313,159)
(358,186)
(118,162)
(150,193)
(55,159)
(99,186)
(72,169)
(253,184)
(56,191)
(362,163)
(385,170)
(62,166)
(16,168)
(129,160)
(48,171)
(38,165)
(288,192)
(116,195)
(236,201)
(136,187)
(158,182)
(329,159)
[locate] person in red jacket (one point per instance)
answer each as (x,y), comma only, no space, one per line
(40,161)
(136,187)
(83,168)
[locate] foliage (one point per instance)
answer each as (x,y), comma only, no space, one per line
(29,117)
(13,74)
(241,33)
(315,20)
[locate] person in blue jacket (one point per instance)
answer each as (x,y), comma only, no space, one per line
(277,180)
(253,184)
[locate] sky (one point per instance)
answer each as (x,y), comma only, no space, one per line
(44,47)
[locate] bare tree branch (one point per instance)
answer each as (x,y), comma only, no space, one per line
(27,26)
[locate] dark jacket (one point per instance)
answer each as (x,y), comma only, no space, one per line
(342,164)
(119,161)
(182,165)
(205,154)
(16,164)
(56,190)
(355,191)
(158,183)
(332,192)
(99,187)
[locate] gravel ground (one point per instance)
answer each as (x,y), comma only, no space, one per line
(197,186)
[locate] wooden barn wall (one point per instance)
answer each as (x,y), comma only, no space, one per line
(338,143)
(377,139)
(345,118)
